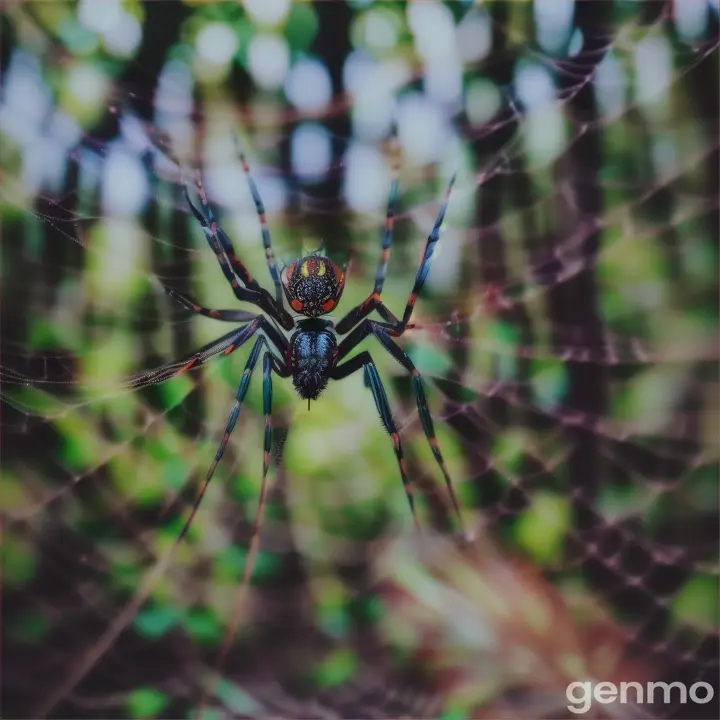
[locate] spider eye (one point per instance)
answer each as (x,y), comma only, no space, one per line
(313,268)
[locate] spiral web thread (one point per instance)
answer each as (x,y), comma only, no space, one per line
(571,391)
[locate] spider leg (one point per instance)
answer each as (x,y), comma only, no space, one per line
(228,343)
(224,315)
(231,266)
(270,364)
(225,344)
(382,333)
(277,338)
(373,301)
(394,326)
(230,426)
(372,380)
(267,242)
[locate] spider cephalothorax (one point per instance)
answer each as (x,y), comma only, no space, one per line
(313,285)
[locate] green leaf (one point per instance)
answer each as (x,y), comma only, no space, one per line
(698,602)
(18,560)
(455,391)
(244,31)
(203,625)
(146,702)
(549,383)
(302,26)
(235,698)
(173,392)
(336,669)
(156,620)
(455,714)
(14,494)
(42,335)
(542,528)
(504,339)
(174,473)
(206,714)
(509,451)
(429,360)
(334,621)
(30,626)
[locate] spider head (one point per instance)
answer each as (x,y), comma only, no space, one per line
(313,285)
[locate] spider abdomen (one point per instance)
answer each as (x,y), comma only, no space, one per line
(312,357)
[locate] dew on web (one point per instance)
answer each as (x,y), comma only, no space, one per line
(567,333)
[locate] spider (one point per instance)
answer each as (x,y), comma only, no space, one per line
(312,356)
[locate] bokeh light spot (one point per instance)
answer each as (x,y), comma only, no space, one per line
(308,85)
(269,58)
(311,151)
(268,12)
(216,43)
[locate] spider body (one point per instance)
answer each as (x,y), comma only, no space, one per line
(311,357)
(313,285)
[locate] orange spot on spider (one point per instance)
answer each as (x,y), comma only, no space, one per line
(229,349)
(412,300)
(395,439)
(328,305)
(433,442)
(339,276)
(375,297)
(297,305)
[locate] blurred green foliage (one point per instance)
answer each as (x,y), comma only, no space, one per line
(116,468)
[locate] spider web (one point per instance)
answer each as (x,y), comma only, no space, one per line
(567,333)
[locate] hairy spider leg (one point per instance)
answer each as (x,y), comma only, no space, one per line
(237,272)
(270,364)
(373,302)
(372,380)
(260,208)
(382,333)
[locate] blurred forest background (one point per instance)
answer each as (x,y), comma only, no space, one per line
(567,334)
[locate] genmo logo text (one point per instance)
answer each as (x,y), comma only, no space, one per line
(582,695)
